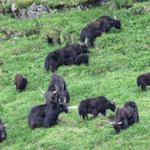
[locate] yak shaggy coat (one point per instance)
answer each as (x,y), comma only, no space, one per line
(57,90)
(143,81)
(45,115)
(69,55)
(96,28)
(95,106)
(126,116)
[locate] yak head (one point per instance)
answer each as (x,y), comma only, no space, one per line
(111,106)
(116,124)
(117,23)
(3,134)
(51,95)
(84,47)
(62,98)
(64,107)
(55,96)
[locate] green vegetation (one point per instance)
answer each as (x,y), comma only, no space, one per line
(119,57)
(52,3)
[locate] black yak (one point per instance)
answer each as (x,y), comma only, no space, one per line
(96,28)
(45,115)
(143,81)
(95,106)
(3,133)
(20,82)
(66,56)
(57,90)
(126,116)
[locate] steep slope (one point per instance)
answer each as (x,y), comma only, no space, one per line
(119,57)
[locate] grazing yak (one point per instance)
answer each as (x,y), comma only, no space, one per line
(143,81)
(126,116)
(3,134)
(96,28)
(45,115)
(20,82)
(69,55)
(57,90)
(95,106)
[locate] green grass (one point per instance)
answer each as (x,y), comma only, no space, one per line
(119,57)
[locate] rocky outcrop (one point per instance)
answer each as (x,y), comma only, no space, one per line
(36,10)
(32,11)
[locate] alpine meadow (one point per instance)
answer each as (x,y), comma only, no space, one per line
(118,58)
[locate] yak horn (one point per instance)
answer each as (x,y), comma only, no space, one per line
(42,92)
(115,17)
(5,125)
(82,43)
(112,122)
(73,107)
(119,122)
(114,100)
(54,92)
(65,99)
(86,40)
(60,101)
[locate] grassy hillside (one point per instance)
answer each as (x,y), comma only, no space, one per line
(119,57)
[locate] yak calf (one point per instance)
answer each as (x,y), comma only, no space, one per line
(20,82)
(95,106)
(143,81)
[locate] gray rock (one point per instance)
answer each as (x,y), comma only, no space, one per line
(32,14)
(42,9)
(22,13)
(33,7)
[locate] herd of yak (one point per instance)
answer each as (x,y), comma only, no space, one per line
(57,95)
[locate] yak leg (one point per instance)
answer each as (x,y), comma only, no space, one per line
(95,113)
(91,42)
(85,116)
(103,113)
(143,86)
(125,124)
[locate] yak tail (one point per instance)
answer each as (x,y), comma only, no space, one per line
(138,82)
(82,36)
(82,109)
(47,62)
